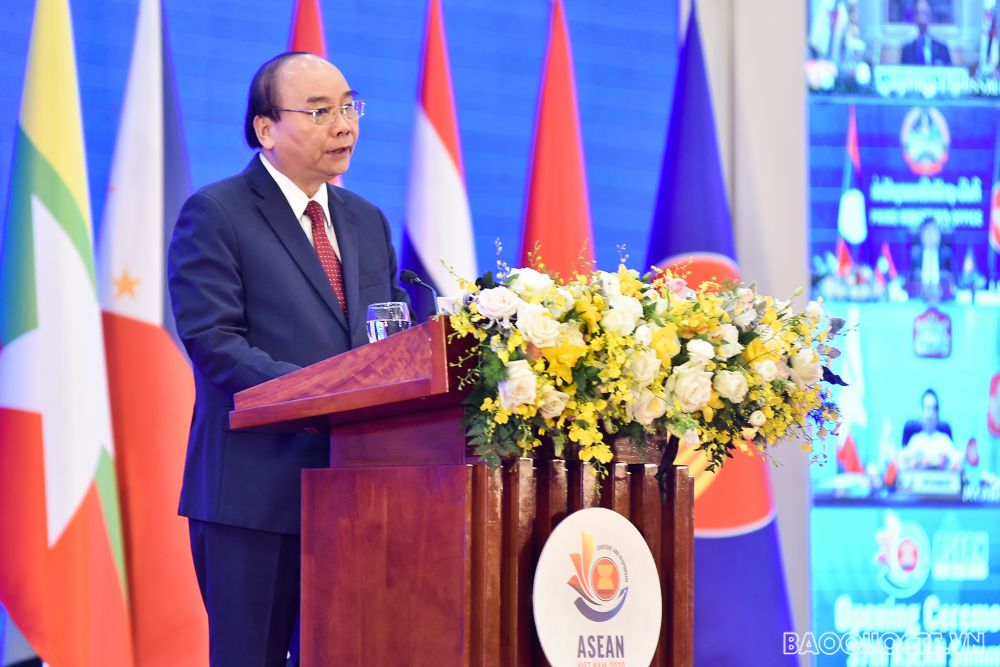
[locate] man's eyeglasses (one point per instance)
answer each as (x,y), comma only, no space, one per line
(326,115)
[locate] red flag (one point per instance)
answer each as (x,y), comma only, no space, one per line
(557,215)
(307,28)
(847,456)
(844,259)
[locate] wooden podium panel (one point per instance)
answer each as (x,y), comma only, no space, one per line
(383,566)
(413,553)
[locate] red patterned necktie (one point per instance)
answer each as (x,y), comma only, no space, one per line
(327,257)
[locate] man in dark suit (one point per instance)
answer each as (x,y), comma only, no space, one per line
(924,50)
(269,271)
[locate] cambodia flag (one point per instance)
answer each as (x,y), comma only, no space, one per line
(437,232)
(741,605)
(557,215)
(149,378)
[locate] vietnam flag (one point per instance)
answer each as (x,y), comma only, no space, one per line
(307,28)
(437,233)
(62,568)
(557,216)
(738,570)
(307,36)
(152,390)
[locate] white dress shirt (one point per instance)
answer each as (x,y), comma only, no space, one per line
(298,201)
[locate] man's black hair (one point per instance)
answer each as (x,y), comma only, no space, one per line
(263,97)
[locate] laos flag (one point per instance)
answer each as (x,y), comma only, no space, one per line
(741,605)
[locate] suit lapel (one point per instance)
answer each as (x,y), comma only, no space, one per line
(275,209)
(345,226)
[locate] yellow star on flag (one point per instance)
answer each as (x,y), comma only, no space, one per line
(125,285)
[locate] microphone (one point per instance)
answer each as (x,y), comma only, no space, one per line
(411,278)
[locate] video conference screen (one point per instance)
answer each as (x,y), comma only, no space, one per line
(904,167)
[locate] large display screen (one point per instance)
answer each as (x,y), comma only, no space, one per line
(904,165)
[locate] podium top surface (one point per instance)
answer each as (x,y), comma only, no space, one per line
(412,370)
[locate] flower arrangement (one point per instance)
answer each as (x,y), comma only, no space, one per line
(722,367)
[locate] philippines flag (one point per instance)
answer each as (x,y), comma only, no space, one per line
(62,565)
(149,378)
(437,232)
(557,215)
(738,570)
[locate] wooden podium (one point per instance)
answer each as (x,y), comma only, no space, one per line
(413,553)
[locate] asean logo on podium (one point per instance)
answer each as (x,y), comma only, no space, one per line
(596,597)
(599,583)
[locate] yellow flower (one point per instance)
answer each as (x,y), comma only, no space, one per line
(589,307)
(562,358)
(666,344)
(628,281)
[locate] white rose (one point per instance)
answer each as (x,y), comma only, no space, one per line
(745,296)
(647,407)
(529,283)
(690,386)
(806,370)
(644,366)
(617,322)
(757,419)
(537,326)
(700,351)
(766,369)
(497,303)
(784,372)
(814,311)
(643,335)
(627,304)
(519,387)
(745,317)
(730,346)
(690,438)
(731,385)
(553,403)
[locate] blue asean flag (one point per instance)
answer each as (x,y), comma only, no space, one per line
(741,604)
(692,229)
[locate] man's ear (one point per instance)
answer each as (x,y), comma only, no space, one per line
(262,125)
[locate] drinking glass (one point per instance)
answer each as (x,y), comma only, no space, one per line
(385,319)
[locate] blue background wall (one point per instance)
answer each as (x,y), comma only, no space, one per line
(624,53)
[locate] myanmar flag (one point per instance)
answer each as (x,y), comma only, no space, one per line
(62,574)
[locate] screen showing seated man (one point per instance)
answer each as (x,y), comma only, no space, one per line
(924,50)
